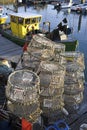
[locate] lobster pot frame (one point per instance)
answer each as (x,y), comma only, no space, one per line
(72,67)
(53,75)
(72,100)
(58,49)
(74,76)
(41,42)
(50,102)
(41,54)
(34,56)
(30,62)
(22,89)
(73,88)
(75,57)
(25,110)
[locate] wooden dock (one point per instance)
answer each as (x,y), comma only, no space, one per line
(9,50)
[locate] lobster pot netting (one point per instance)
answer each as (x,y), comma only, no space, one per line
(30,112)
(50,102)
(74,78)
(39,49)
(22,90)
(58,49)
(34,56)
(53,75)
(73,88)
(75,57)
(50,47)
(41,42)
(73,100)
(30,62)
(52,87)
(74,74)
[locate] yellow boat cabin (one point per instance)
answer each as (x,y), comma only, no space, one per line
(3,17)
(24,22)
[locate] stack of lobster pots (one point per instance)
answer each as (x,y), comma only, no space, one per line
(52,88)
(43,57)
(22,94)
(61,75)
(40,49)
(74,79)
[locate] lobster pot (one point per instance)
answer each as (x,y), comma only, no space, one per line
(75,57)
(73,100)
(41,42)
(72,77)
(22,90)
(73,88)
(51,75)
(51,101)
(30,62)
(34,56)
(58,49)
(74,80)
(24,110)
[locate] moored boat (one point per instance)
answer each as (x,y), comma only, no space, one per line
(63,5)
(3,17)
(23,27)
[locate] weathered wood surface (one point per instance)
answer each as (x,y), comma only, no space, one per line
(9,50)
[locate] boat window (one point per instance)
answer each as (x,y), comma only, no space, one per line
(20,20)
(39,19)
(12,19)
(27,21)
(33,20)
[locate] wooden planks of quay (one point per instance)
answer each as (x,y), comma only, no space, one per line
(9,50)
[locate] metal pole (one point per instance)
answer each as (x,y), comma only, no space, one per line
(82,1)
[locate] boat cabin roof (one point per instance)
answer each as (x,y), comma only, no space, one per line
(25,15)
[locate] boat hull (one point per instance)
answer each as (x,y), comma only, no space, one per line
(70,45)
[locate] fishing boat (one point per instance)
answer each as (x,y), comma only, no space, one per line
(3,17)
(24,26)
(21,25)
(63,34)
(63,5)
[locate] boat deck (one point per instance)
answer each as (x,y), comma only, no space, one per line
(11,51)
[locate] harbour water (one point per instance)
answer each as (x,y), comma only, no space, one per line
(76,21)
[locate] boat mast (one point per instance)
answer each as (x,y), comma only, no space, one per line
(15,6)
(83,1)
